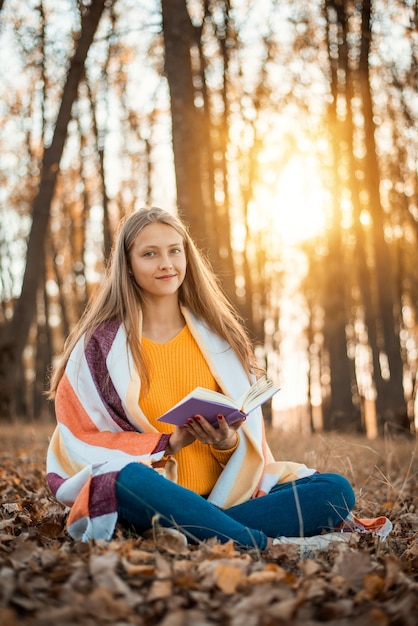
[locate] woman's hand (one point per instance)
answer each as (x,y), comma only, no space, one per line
(222,438)
(179,439)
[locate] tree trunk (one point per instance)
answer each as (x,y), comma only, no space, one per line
(178,41)
(100,148)
(339,412)
(362,273)
(222,231)
(15,333)
(391,405)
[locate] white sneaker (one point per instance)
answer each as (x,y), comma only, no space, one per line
(309,546)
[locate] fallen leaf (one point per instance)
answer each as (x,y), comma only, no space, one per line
(270,573)
(160,589)
(353,566)
(373,586)
(11,507)
(227,578)
(216,550)
(286,609)
(332,611)
(104,607)
(8,584)
(103,571)
(310,567)
(392,570)
(169,540)
(133,569)
(409,519)
(52,529)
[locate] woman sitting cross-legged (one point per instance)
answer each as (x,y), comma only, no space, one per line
(159,326)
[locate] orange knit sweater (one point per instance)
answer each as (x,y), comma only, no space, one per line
(176,368)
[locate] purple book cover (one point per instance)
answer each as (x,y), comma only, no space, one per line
(179,414)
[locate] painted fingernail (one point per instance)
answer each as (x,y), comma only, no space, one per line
(197,417)
(220,417)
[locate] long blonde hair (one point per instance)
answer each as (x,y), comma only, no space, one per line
(118,296)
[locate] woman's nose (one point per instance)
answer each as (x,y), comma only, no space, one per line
(165,262)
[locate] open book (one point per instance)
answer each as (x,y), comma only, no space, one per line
(210,403)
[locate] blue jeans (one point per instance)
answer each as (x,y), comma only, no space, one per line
(302,508)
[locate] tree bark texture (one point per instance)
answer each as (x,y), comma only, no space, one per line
(186,127)
(339,411)
(391,404)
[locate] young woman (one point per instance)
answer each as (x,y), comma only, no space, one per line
(158,327)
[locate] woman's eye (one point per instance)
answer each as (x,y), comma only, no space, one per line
(149,253)
(176,250)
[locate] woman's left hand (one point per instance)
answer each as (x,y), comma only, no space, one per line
(222,438)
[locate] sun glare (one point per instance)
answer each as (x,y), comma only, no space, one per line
(290,206)
(299,202)
(294,204)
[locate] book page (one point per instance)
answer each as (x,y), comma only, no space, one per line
(262,390)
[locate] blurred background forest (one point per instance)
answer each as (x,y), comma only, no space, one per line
(285,134)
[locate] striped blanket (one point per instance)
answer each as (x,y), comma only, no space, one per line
(100,429)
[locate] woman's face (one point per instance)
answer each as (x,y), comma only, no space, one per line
(158,260)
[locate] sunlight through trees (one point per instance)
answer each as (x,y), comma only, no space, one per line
(284,133)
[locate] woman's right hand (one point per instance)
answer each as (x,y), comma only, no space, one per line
(179,439)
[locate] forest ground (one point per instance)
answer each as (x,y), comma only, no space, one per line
(45,578)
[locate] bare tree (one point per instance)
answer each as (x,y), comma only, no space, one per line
(15,332)
(198,132)
(186,128)
(391,400)
(339,411)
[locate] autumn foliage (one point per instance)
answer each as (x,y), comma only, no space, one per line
(45,578)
